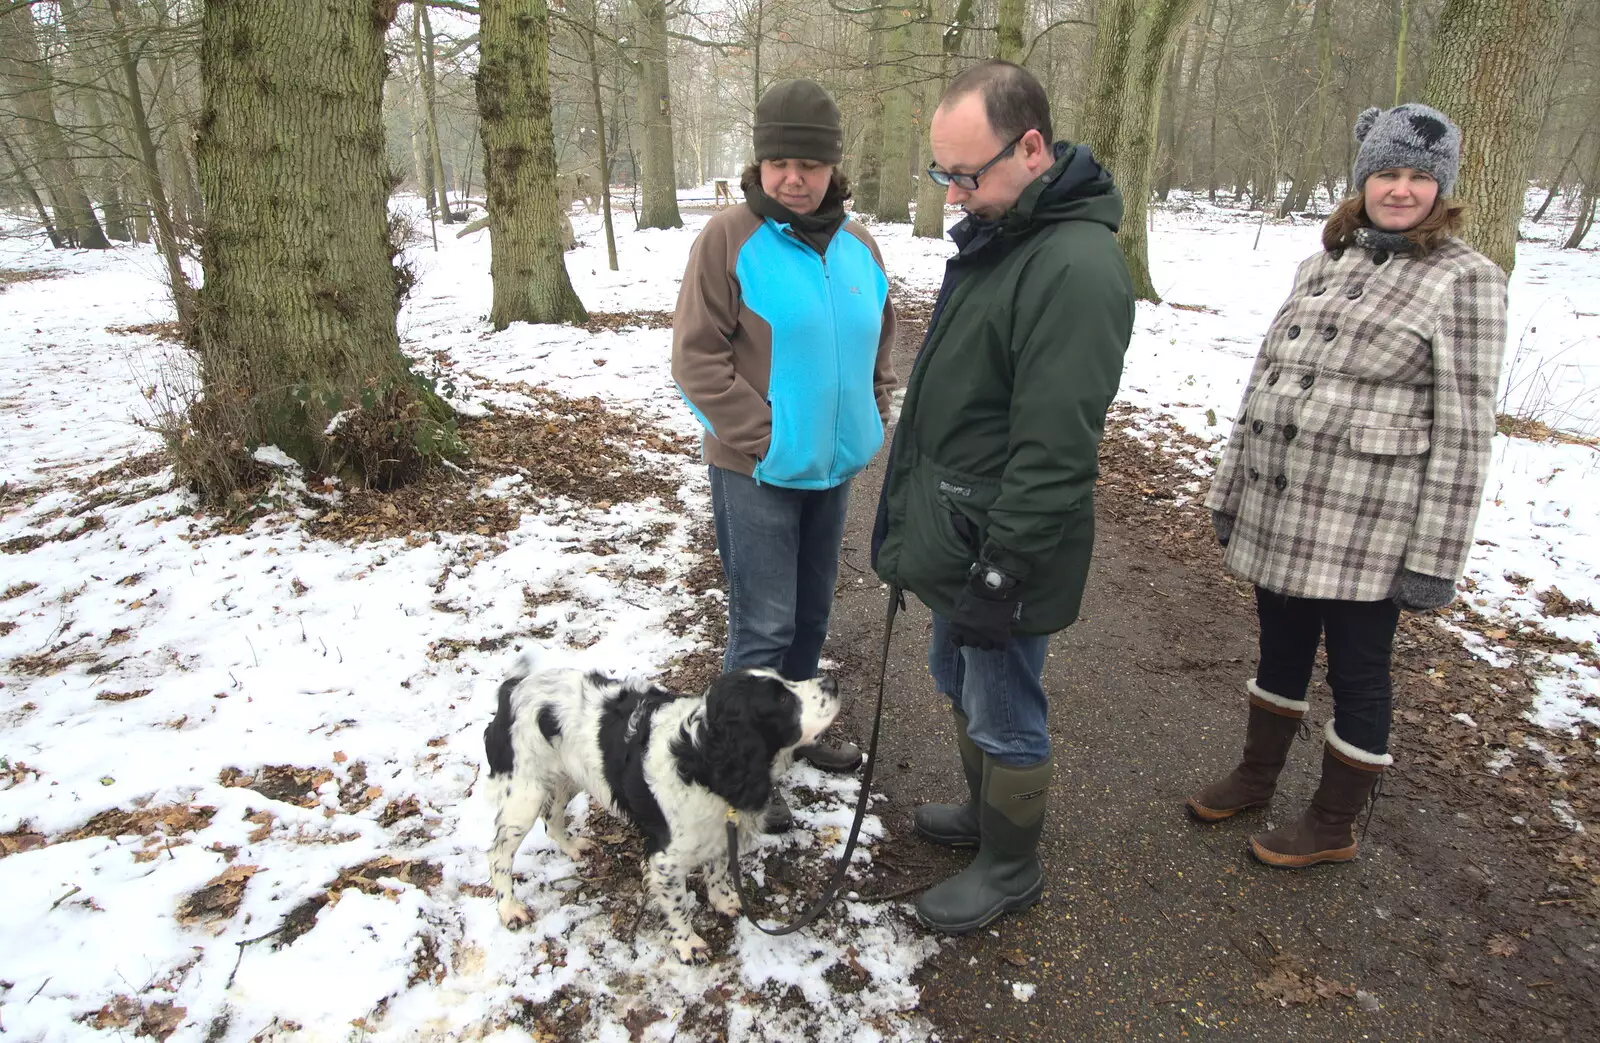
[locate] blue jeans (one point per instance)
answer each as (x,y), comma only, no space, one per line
(780,554)
(1001,693)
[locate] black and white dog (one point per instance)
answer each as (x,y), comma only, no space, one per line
(671,764)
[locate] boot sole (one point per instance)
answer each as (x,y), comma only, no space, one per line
(1025,900)
(1205,814)
(945,839)
(1278,861)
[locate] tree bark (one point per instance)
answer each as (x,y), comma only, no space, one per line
(298,305)
(1126,93)
(1011,30)
(519,151)
(869,165)
(27,78)
(659,177)
(1305,177)
(150,170)
(28,190)
(422,31)
(1492,73)
(597,95)
(1402,30)
(899,143)
(930,196)
(1586,204)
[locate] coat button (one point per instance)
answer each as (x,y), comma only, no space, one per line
(1281,482)
(1336,253)
(1289,431)
(1330,333)
(1307,380)
(1380,257)
(1353,292)
(1254,474)
(1294,331)
(1272,378)
(1319,291)
(1257,426)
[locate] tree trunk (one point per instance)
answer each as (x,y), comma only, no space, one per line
(1561,175)
(519,152)
(658,179)
(930,196)
(1126,111)
(1216,104)
(1586,204)
(1011,30)
(298,305)
(26,77)
(1305,177)
(1492,72)
(22,178)
(869,165)
(422,32)
(166,236)
(590,52)
(899,142)
(1402,30)
(1166,139)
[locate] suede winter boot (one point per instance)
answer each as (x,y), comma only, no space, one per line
(956,825)
(1273,723)
(1327,830)
(841,759)
(1006,874)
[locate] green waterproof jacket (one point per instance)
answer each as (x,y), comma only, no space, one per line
(996,453)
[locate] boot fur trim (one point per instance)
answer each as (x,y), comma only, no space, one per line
(1353,755)
(1276,703)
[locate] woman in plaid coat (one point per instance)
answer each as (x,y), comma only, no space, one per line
(1352,477)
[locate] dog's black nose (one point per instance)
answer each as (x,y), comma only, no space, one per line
(829,686)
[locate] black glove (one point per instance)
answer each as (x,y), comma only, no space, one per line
(1223,523)
(986,609)
(1416,592)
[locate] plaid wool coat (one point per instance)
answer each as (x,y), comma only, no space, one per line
(1362,444)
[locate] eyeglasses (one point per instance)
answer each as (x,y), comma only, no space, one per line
(969,182)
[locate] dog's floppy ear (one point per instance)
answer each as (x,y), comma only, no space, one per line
(745,724)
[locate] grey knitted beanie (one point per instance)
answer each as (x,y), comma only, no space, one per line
(797,119)
(1409,135)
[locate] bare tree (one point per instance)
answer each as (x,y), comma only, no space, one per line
(297,337)
(525,228)
(26,78)
(1491,73)
(658,177)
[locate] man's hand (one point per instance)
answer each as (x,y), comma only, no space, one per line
(986,609)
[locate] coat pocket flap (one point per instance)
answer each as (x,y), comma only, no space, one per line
(1389,441)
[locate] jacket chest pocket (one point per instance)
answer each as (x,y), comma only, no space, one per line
(1383,439)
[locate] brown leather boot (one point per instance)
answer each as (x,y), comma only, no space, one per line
(1327,830)
(1274,721)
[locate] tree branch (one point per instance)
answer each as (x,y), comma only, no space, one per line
(453,5)
(1046,31)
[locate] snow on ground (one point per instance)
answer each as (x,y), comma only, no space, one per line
(148,656)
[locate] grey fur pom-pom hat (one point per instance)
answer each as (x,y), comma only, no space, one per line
(1409,135)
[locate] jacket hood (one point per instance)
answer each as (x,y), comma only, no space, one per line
(1075,188)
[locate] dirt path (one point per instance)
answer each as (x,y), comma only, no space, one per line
(1153,927)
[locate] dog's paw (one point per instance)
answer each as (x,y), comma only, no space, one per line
(578,848)
(514,914)
(724,901)
(692,949)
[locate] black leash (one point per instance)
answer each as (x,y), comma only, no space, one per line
(895,598)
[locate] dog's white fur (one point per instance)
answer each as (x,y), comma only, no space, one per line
(673,765)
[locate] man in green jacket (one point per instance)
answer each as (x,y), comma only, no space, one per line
(987,510)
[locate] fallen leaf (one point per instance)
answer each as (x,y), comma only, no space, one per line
(1500,945)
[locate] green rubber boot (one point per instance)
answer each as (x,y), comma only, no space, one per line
(956,825)
(1006,874)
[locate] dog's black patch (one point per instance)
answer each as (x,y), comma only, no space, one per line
(549,727)
(624,738)
(749,718)
(497,736)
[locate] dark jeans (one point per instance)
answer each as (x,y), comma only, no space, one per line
(1360,639)
(780,554)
